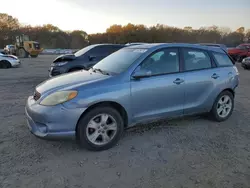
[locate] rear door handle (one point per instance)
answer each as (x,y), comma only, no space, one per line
(178,81)
(215,76)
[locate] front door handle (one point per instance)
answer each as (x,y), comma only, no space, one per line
(178,81)
(215,76)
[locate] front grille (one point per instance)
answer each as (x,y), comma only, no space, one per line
(36,95)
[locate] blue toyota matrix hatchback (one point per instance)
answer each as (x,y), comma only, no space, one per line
(133,85)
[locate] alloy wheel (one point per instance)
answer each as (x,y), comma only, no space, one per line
(224,106)
(101,129)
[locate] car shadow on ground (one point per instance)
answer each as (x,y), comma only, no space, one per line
(171,125)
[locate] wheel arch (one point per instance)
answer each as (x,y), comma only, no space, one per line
(113,104)
(7,62)
(230,90)
(211,103)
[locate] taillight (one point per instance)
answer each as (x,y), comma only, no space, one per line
(236,70)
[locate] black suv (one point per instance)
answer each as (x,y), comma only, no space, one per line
(82,59)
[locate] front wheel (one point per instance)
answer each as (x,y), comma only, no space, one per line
(100,129)
(4,64)
(223,106)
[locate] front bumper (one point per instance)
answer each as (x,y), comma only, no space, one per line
(55,71)
(51,122)
(15,63)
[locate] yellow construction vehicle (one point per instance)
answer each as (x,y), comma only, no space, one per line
(24,47)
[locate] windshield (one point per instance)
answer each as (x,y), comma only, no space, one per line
(83,51)
(120,60)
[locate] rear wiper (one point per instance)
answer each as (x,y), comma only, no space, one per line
(100,70)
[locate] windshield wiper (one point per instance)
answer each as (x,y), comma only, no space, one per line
(100,70)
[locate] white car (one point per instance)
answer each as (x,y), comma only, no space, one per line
(8,61)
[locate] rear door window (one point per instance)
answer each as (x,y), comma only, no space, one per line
(196,59)
(112,49)
(104,50)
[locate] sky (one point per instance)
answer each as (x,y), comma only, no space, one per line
(95,16)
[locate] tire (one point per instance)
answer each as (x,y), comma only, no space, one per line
(22,53)
(215,112)
(5,64)
(33,56)
(97,115)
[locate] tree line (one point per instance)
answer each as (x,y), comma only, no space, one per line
(50,36)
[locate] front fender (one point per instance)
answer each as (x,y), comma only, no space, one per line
(119,93)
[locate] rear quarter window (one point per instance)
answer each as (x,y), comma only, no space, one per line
(222,59)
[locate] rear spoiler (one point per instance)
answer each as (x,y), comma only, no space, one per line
(221,49)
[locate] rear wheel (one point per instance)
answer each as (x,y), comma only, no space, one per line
(5,64)
(100,129)
(22,53)
(223,106)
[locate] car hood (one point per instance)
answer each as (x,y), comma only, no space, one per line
(9,56)
(69,80)
(65,57)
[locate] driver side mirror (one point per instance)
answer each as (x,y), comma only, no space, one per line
(91,58)
(141,74)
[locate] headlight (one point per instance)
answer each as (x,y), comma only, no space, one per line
(61,64)
(58,98)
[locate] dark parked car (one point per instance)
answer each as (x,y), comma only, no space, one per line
(82,59)
(246,63)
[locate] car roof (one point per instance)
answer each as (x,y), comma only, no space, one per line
(107,44)
(245,44)
(212,44)
(155,46)
(136,43)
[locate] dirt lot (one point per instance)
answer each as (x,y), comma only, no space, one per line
(191,152)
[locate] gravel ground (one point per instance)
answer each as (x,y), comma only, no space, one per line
(189,152)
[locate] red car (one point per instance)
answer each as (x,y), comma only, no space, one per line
(240,52)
